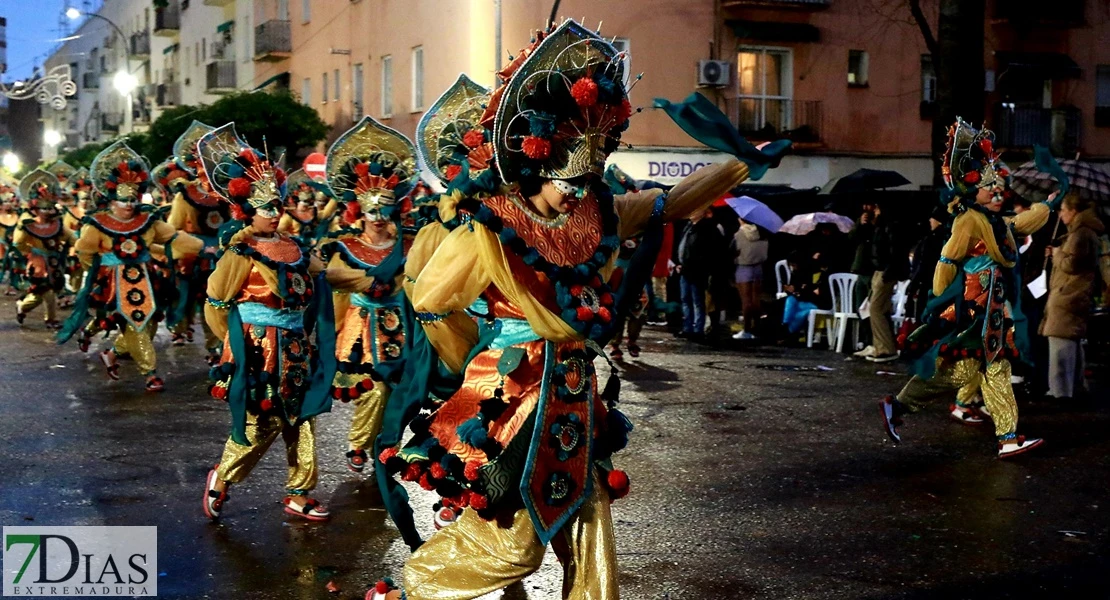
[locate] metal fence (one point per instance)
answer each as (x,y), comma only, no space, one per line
(799,120)
(273,37)
(220,76)
(1025,126)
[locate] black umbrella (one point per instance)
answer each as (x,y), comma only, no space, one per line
(866,180)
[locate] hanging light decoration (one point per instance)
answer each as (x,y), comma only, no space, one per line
(52,88)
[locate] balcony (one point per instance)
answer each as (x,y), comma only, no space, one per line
(167,20)
(217,2)
(90,80)
(220,77)
(140,44)
(168,94)
(803,5)
(1022,127)
(1028,14)
(772,119)
(273,41)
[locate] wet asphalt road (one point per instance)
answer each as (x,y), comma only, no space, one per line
(747,482)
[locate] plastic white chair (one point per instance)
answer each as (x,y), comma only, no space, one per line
(782,277)
(842,286)
(900,300)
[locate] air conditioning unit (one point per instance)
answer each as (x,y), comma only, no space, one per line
(714,73)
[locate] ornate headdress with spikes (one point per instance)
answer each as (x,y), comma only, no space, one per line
(450,136)
(373,165)
(240,174)
(564,109)
(118,173)
(79,185)
(40,189)
(63,171)
(970,160)
(301,187)
(185,148)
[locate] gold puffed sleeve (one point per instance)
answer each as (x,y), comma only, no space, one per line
(451,281)
(955,250)
(424,245)
(181,243)
(225,282)
(345,278)
(181,213)
(1032,220)
(22,240)
(329,209)
(696,191)
(287,224)
(89,244)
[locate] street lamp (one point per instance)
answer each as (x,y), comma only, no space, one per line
(52,137)
(124,82)
(12,162)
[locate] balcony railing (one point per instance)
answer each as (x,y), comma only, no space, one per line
(767,118)
(90,80)
(167,20)
(140,44)
(220,77)
(168,94)
(273,40)
(1025,126)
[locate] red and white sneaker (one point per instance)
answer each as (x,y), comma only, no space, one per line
(1018,445)
(445,516)
(966,415)
(213,500)
(108,357)
(155,384)
(356,460)
(892,411)
(381,590)
(312,509)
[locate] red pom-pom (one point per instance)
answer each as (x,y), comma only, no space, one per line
(362,169)
(474,138)
(238,213)
(584,314)
(438,471)
(279,176)
(387,454)
(536,148)
(478,501)
(426,483)
(353,213)
(471,470)
(618,484)
(576,290)
(452,171)
(266,404)
(624,111)
(239,187)
(584,92)
(604,314)
(381,587)
(986,146)
(219,392)
(606,299)
(248,154)
(412,473)
(972,177)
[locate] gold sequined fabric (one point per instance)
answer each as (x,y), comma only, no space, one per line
(995,385)
(300,452)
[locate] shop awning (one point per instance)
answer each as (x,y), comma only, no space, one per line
(170,48)
(1044,65)
(774,31)
(225,27)
(279,80)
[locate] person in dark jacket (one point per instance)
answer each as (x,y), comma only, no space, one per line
(698,249)
(890,260)
(808,290)
(925,256)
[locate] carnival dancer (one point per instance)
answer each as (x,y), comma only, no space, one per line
(43,241)
(115,246)
(371,169)
(197,210)
(526,440)
(264,304)
(309,211)
(75,186)
(13,265)
(973,326)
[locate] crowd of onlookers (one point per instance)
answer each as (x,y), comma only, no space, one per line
(720,278)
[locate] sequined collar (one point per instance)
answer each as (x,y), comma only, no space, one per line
(566,240)
(279,248)
(105,222)
(44,230)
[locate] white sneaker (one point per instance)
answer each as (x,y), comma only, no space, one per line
(1017,446)
(743,335)
(866,352)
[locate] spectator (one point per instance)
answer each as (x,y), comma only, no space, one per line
(925,257)
(890,259)
(861,239)
(698,249)
(749,247)
(659,306)
(808,290)
(1070,295)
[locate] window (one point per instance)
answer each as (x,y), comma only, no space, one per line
(204,49)
(356,90)
(335,75)
(306,91)
(196,53)
(306,11)
(387,86)
(928,79)
(324,88)
(857,68)
(1102,96)
(246,38)
(765,89)
(418,78)
(625,45)
(283,10)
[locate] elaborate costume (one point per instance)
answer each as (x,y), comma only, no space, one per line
(44,242)
(197,210)
(76,187)
(973,326)
(264,304)
(310,212)
(371,168)
(13,265)
(525,442)
(116,245)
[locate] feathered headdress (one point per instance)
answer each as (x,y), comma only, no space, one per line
(450,136)
(119,173)
(372,168)
(564,108)
(301,187)
(240,174)
(971,161)
(80,184)
(63,171)
(40,189)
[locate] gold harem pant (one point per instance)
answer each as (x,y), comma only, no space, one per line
(475,557)
(300,452)
(366,423)
(963,377)
(43,296)
(140,345)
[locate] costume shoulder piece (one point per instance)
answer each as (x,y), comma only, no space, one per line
(450,136)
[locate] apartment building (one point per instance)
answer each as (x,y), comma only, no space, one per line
(850,81)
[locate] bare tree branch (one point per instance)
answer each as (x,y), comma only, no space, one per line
(923,25)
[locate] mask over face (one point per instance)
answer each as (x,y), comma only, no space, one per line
(269,211)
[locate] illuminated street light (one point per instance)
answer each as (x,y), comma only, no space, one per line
(73,14)
(12,162)
(52,137)
(125,82)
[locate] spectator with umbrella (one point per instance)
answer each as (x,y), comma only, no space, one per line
(750,249)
